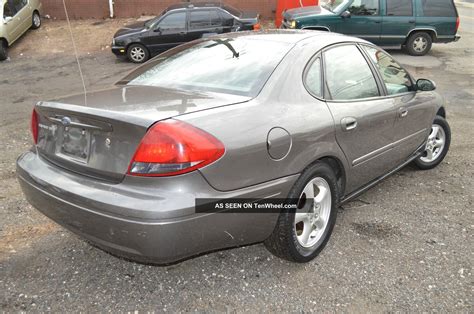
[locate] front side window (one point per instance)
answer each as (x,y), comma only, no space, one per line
(173,22)
(396,79)
(400,7)
(364,7)
(313,78)
(239,66)
(438,8)
(348,76)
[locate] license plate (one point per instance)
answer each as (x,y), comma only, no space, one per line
(75,144)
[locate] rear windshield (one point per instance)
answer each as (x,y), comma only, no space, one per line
(441,8)
(235,12)
(239,66)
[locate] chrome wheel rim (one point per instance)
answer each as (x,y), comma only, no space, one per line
(435,144)
(420,44)
(37,20)
(312,215)
(137,54)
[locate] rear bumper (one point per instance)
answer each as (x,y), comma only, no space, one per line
(151,220)
(447,39)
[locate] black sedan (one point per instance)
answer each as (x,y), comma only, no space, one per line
(178,24)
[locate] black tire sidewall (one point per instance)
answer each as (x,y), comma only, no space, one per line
(33,20)
(411,39)
(3,50)
(447,131)
(298,252)
(147,53)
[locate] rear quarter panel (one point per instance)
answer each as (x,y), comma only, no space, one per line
(243,129)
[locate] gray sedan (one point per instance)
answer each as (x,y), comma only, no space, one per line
(300,120)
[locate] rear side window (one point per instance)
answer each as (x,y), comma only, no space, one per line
(396,79)
(348,76)
(204,19)
(400,7)
(313,78)
(441,8)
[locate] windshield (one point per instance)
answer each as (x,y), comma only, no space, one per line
(239,66)
(235,12)
(340,5)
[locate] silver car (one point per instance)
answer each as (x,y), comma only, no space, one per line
(313,118)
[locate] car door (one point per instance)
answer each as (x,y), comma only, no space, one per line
(203,23)
(169,32)
(398,19)
(414,110)
(12,18)
(365,20)
(364,120)
(25,15)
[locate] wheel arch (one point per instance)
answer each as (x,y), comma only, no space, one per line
(441,112)
(430,31)
(339,170)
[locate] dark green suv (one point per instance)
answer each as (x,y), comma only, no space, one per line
(413,24)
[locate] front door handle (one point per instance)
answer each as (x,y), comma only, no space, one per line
(348,123)
(402,112)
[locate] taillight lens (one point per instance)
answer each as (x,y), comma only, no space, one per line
(34,126)
(458,21)
(174,147)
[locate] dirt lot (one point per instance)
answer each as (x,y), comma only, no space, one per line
(406,245)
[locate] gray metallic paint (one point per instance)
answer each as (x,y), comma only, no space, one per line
(153,218)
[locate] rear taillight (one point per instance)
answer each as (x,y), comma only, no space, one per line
(173,147)
(34,126)
(458,21)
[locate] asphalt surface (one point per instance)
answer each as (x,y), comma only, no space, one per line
(406,245)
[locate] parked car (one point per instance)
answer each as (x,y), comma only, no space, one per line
(178,24)
(411,24)
(313,117)
(17,17)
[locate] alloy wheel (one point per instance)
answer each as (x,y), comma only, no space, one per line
(312,215)
(137,54)
(420,44)
(435,144)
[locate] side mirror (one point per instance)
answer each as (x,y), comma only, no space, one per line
(425,85)
(7,19)
(346,14)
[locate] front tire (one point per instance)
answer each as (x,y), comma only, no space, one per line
(437,145)
(137,53)
(36,20)
(3,50)
(419,44)
(300,235)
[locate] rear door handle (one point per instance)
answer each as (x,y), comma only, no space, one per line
(402,112)
(348,123)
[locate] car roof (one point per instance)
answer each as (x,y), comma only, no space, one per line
(207,4)
(295,36)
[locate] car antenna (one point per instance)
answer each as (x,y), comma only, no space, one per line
(75,52)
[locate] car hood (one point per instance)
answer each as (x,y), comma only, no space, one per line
(306,11)
(147,104)
(131,29)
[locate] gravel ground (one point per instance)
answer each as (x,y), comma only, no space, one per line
(406,245)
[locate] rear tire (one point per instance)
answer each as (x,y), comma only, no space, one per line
(299,236)
(419,44)
(36,20)
(137,53)
(3,50)
(437,145)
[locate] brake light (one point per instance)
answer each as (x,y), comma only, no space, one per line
(458,21)
(173,147)
(34,126)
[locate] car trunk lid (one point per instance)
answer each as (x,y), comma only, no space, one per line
(99,138)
